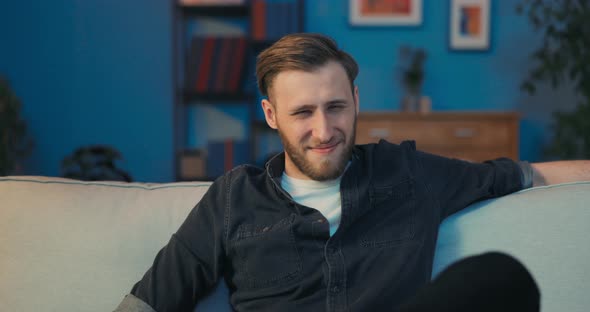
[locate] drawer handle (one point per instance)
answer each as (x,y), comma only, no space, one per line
(464,132)
(379,133)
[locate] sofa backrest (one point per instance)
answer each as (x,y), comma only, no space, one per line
(67,245)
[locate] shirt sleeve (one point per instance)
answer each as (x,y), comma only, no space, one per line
(133,304)
(455,183)
(190,265)
(527,174)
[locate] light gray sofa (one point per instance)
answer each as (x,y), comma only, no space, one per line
(77,246)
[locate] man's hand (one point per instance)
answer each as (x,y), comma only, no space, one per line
(554,172)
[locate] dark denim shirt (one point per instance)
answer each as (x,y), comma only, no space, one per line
(277,255)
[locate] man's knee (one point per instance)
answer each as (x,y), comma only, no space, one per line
(491,281)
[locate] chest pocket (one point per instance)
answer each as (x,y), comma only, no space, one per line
(266,254)
(392,215)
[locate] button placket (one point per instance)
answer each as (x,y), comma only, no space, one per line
(336,294)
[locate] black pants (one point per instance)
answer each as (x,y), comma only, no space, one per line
(488,282)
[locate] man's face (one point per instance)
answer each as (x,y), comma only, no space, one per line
(315,115)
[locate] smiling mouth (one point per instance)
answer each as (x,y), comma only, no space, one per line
(325,149)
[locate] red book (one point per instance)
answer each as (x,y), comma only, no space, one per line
(234,83)
(215,62)
(258,19)
(205,64)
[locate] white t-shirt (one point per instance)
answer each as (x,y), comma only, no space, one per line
(323,196)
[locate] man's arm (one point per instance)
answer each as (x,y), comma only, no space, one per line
(554,172)
(189,265)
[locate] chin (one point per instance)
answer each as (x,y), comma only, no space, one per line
(328,172)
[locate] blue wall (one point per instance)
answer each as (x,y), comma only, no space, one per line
(93,72)
(99,72)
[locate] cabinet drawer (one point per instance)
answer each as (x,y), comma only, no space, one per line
(469,154)
(482,134)
(470,136)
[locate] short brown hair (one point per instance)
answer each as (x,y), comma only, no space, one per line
(301,51)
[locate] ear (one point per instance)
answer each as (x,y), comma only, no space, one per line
(356,99)
(269,113)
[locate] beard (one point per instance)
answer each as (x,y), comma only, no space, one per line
(326,168)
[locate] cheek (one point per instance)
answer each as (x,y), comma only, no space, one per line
(299,131)
(293,132)
(346,124)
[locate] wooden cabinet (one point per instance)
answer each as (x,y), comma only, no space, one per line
(466,135)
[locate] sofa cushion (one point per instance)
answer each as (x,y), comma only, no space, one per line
(545,228)
(67,245)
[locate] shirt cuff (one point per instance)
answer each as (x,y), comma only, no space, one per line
(526,174)
(133,304)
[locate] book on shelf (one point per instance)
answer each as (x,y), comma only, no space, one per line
(274,19)
(258,19)
(205,64)
(238,65)
(223,65)
(215,64)
(222,156)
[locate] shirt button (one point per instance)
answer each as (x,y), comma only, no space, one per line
(335,289)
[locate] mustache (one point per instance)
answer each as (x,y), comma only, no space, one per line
(327,143)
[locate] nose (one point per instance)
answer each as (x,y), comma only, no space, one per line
(322,129)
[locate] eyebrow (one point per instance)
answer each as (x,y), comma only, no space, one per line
(312,106)
(337,101)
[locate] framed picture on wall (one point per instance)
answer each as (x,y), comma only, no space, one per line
(385,12)
(469,27)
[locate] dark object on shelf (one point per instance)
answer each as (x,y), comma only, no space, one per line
(192,166)
(562,59)
(94,163)
(15,144)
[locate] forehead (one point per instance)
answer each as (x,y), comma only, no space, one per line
(326,82)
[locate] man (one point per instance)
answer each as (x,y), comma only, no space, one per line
(327,225)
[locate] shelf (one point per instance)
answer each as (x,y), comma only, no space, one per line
(196,97)
(190,164)
(242,10)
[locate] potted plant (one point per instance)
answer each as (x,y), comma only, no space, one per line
(563,58)
(15,144)
(412,77)
(94,163)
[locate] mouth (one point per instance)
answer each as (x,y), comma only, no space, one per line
(325,149)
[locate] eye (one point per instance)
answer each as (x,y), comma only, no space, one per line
(302,113)
(336,107)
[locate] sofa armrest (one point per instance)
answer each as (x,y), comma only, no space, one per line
(546,228)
